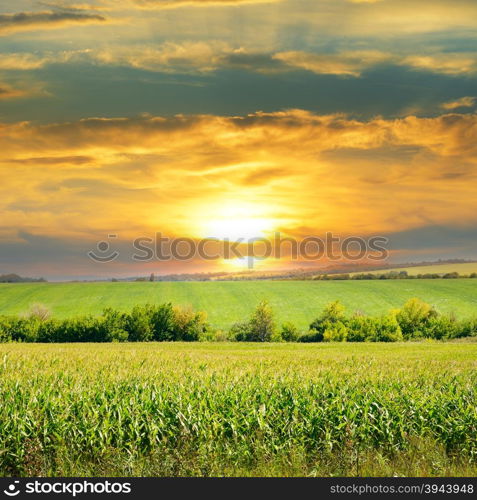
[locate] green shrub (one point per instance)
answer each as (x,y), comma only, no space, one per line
(360,328)
(240,331)
(385,329)
(162,320)
(466,328)
(139,325)
(289,332)
(188,325)
(19,329)
(311,337)
(415,318)
(332,314)
(115,325)
(442,327)
(260,328)
(334,331)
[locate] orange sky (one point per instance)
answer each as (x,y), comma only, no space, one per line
(182,117)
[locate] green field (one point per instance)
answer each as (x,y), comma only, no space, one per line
(228,302)
(465,268)
(205,409)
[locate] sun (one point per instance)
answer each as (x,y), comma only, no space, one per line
(238,222)
(237,228)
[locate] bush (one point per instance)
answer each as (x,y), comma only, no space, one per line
(415,318)
(335,332)
(311,337)
(163,322)
(466,328)
(18,329)
(260,327)
(331,315)
(188,325)
(442,327)
(162,319)
(138,324)
(240,331)
(115,325)
(385,329)
(359,328)
(289,332)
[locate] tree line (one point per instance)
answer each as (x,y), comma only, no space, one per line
(392,275)
(166,323)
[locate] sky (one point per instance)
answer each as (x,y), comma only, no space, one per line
(120,119)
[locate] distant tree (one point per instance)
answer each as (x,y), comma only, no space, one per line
(332,319)
(414,318)
(259,328)
(453,275)
(262,324)
(151,278)
(289,332)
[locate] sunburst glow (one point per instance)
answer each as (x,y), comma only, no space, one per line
(236,222)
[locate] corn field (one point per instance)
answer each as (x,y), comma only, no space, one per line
(238,409)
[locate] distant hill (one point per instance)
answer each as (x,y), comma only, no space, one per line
(413,268)
(15,278)
(463,268)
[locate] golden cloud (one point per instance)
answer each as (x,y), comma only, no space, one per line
(350,63)
(174,4)
(448,63)
(463,102)
(20,61)
(207,56)
(168,57)
(151,173)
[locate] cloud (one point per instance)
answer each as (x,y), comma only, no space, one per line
(20,89)
(350,63)
(24,61)
(75,7)
(134,176)
(444,135)
(463,102)
(174,4)
(32,21)
(454,64)
(7,92)
(55,160)
(209,56)
(168,57)
(353,63)
(153,157)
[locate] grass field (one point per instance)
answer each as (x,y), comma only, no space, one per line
(465,268)
(228,302)
(238,409)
